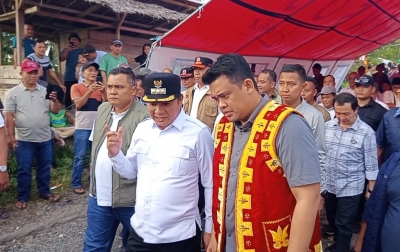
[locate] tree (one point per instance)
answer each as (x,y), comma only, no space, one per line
(7,50)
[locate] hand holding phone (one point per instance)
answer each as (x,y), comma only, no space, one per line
(99,79)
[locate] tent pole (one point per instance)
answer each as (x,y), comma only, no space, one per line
(310,66)
(276,63)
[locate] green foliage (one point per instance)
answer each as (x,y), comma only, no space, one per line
(63,161)
(7,50)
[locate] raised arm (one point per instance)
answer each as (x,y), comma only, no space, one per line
(126,166)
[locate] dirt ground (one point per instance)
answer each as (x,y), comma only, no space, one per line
(59,227)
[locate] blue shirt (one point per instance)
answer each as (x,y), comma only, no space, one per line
(382,209)
(27,43)
(71,62)
(350,157)
(388,133)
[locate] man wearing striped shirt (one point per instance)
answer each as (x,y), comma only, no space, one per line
(44,62)
(351,157)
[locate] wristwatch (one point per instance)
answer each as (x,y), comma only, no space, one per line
(3,168)
(324,194)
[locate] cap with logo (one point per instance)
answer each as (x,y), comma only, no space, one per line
(117,42)
(187,72)
(161,87)
(328,90)
(365,80)
(202,62)
(29,66)
(88,49)
(88,64)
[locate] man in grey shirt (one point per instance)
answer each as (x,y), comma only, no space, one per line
(291,96)
(233,86)
(27,111)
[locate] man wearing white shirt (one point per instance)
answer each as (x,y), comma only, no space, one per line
(352,84)
(166,155)
(198,104)
(112,197)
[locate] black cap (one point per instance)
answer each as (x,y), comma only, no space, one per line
(187,72)
(396,81)
(117,42)
(88,49)
(88,64)
(74,35)
(365,80)
(161,87)
(202,62)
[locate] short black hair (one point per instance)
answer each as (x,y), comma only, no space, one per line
(361,67)
(271,74)
(312,80)
(28,23)
(343,98)
(127,71)
(38,41)
(141,78)
(317,66)
(233,66)
(295,68)
(330,75)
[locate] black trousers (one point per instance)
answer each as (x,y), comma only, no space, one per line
(136,244)
(68,101)
(341,213)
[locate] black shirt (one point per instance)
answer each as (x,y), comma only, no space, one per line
(372,114)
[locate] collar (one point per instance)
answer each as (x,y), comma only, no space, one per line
(196,86)
(274,95)
(302,104)
(370,103)
(397,113)
(177,123)
(115,114)
(86,85)
(119,56)
(253,116)
(22,85)
(355,126)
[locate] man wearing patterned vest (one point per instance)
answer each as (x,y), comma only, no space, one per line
(112,197)
(266,169)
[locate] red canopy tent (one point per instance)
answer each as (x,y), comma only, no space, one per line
(307,30)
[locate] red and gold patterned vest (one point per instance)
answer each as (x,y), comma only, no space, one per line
(264,203)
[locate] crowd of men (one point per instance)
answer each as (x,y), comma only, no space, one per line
(257,158)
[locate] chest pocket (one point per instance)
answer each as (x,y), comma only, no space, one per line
(179,157)
(142,150)
(210,107)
